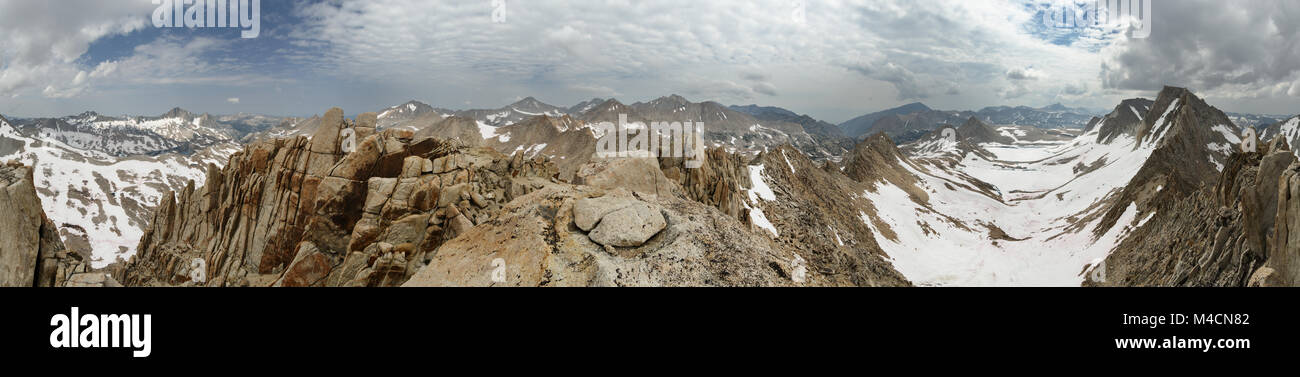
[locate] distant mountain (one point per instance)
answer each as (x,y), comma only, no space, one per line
(975,131)
(1255,120)
(177,131)
(1054,116)
(862,126)
(905,128)
(513,113)
(812,126)
(583,106)
(99,178)
(902,130)
(1124,120)
(609,111)
(404,115)
(1059,108)
(1288,129)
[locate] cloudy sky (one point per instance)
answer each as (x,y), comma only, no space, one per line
(831,59)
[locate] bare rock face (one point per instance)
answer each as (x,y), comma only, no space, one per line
(588,211)
(536,242)
(629,226)
(640,175)
(1238,232)
(718,183)
(31,253)
(301,212)
(1283,266)
(565,235)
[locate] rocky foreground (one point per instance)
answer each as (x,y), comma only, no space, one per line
(1241,231)
(32,254)
(405,210)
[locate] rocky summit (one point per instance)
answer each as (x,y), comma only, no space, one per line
(400,209)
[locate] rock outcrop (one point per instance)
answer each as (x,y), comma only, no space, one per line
(642,175)
(1237,232)
(719,182)
(536,242)
(32,253)
(303,212)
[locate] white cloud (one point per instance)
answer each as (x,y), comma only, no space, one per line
(1226,49)
(1022,74)
(40,41)
(845,58)
(233,100)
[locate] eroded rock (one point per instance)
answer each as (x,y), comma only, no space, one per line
(629,226)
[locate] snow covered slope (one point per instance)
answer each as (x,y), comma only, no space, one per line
(1041,213)
(177,131)
(101,203)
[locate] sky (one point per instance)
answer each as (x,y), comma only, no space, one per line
(830,59)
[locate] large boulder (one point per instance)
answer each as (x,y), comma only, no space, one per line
(641,175)
(630,226)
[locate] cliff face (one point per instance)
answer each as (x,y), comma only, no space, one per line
(303,212)
(1239,231)
(31,254)
(1282,268)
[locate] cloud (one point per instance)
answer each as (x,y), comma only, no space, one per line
(1013,91)
(1022,74)
(1219,48)
(233,100)
(847,56)
(40,41)
(1075,89)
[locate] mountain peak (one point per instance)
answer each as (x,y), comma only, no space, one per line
(177,112)
(1055,107)
(529,103)
(671,99)
(916,105)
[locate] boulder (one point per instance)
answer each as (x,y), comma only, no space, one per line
(630,226)
(641,175)
(588,211)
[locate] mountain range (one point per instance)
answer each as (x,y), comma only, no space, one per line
(428,196)
(909,122)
